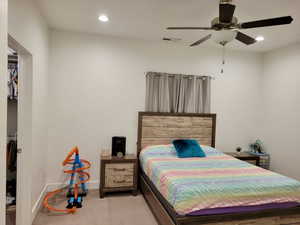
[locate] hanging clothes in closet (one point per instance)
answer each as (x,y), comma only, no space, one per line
(11,183)
(12,81)
(11,155)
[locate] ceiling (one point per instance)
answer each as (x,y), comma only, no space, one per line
(147,19)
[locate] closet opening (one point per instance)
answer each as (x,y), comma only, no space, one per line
(19,132)
(12,136)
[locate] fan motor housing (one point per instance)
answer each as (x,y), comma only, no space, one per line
(225,1)
(217,25)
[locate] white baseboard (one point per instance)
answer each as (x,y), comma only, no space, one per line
(92,185)
(38,204)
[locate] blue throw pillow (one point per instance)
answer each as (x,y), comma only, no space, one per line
(188,148)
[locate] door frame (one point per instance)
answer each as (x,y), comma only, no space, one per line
(3,106)
(24,178)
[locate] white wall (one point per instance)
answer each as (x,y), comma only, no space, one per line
(27,26)
(97,86)
(281,98)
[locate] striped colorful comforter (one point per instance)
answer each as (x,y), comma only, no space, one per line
(216,181)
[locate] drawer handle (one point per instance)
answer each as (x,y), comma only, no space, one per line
(119,181)
(119,170)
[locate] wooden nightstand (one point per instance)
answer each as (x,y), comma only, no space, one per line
(118,174)
(253,159)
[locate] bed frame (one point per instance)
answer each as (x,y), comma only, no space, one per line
(162,128)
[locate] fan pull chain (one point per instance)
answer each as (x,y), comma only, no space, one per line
(223,59)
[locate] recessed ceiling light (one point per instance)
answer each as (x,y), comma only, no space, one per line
(259,38)
(103,18)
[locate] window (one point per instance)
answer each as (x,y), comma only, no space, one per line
(177,93)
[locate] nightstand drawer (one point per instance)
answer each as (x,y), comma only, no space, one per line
(119,169)
(118,181)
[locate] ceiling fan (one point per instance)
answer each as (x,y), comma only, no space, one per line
(230,26)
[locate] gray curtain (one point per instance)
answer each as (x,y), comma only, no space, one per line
(177,93)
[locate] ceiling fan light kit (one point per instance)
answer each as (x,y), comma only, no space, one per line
(223,37)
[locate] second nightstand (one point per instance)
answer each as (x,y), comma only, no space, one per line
(253,159)
(118,174)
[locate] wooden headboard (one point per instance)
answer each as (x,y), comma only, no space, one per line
(163,128)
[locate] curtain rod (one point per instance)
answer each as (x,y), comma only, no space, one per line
(183,75)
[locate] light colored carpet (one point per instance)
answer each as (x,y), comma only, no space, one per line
(115,209)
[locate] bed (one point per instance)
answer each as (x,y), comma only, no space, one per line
(157,130)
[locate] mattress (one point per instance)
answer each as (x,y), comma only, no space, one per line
(216,184)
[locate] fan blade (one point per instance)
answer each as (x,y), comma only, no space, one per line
(201,40)
(189,28)
(245,38)
(171,39)
(226,12)
(268,22)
